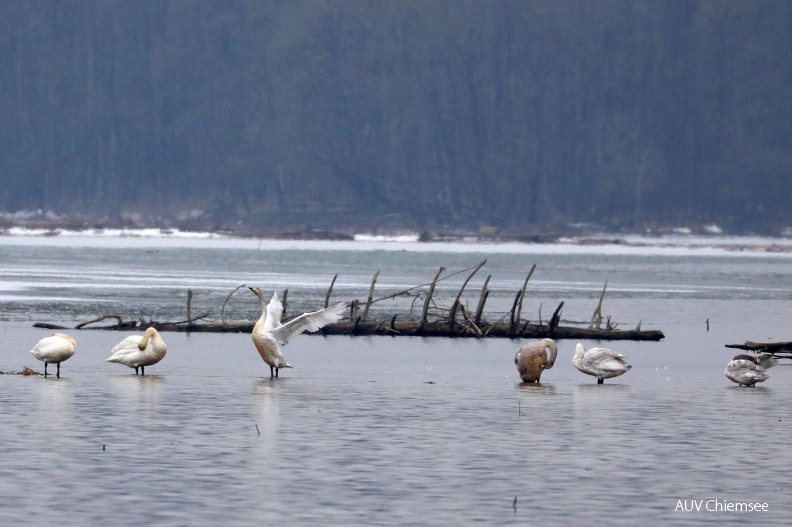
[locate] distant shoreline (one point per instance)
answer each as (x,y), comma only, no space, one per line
(679,243)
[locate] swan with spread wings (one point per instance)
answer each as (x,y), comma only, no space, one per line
(269,334)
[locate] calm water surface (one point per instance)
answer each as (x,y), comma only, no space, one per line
(389,431)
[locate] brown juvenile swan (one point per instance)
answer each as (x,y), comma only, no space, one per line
(533,359)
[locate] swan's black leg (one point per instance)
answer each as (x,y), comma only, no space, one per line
(600,381)
(136,370)
(276,372)
(272,372)
(58,374)
(45,369)
(142,371)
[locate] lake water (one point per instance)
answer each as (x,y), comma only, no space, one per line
(389,430)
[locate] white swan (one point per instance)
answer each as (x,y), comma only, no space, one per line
(745,369)
(532,359)
(138,351)
(268,333)
(601,363)
(54,350)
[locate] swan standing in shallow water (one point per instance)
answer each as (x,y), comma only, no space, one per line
(268,333)
(601,363)
(54,350)
(138,351)
(745,369)
(532,359)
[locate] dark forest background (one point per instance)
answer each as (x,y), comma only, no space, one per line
(422,114)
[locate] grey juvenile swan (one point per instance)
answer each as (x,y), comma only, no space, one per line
(745,369)
(601,363)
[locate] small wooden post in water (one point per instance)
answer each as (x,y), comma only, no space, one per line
(189,309)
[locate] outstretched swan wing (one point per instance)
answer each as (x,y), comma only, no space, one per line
(308,322)
(274,313)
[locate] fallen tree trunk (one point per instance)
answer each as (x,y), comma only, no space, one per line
(392,327)
(773,348)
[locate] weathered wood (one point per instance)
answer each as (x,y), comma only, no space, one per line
(552,326)
(45,325)
(222,309)
(189,308)
(446,325)
(330,290)
(482,300)
(596,317)
(522,294)
(513,311)
(99,319)
(429,295)
(773,348)
(499,330)
(438,328)
(283,301)
(407,292)
(370,295)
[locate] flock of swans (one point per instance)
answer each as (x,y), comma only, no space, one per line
(269,334)
(139,351)
(603,363)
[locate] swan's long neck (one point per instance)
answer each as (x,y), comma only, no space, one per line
(579,351)
(263,316)
(551,345)
(144,341)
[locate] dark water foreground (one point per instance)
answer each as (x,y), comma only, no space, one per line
(394,431)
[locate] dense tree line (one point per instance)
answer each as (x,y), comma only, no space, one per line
(413,112)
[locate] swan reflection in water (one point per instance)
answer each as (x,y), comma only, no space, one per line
(147,391)
(536,389)
(55,394)
(266,408)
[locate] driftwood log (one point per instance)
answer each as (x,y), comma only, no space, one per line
(779,349)
(395,327)
(446,323)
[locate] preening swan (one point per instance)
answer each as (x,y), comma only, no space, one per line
(745,369)
(601,363)
(532,359)
(268,333)
(138,351)
(54,350)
